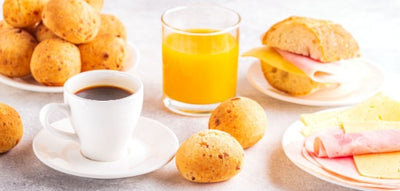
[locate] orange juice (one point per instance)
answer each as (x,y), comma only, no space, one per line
(200,69)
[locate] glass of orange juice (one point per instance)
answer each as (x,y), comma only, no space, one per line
(200,46)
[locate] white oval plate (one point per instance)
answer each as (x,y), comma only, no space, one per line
(29,83)
(292,143)
(342,95)
(153,145)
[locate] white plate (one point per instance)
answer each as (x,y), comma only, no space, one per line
(29,83)
(292,143)
(342,95)
(153,145)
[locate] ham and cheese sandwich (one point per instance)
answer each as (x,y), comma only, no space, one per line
(304,54)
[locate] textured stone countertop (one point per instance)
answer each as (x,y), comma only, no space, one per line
(375,24)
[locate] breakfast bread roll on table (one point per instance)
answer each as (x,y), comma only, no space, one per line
(307,44)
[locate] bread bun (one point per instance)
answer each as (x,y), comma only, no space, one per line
(54,61)
(10,128)
(104,52)
(209,156)
(111,24)
(73,20)
(319,39)
(16,48)
(96,4)
(23,13)
(241,117)
(42,33)
(5,25)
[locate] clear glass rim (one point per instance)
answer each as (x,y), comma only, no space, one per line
(181,31)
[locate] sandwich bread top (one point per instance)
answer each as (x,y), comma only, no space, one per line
(321,40)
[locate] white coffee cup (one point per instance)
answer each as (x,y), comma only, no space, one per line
(102,128)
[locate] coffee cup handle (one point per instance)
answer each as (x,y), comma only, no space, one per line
(47,110)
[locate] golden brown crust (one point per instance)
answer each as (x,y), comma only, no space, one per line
(320,39)
(16,48)
(42,33)
(111,24)
(54,61)
(96,4)
(11,129)
(4,25)
(73,20)
(209,156)
(104,52)
(241,117)
(23,13)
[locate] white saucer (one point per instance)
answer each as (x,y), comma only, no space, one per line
(342,95)
(153,146)
(30,84)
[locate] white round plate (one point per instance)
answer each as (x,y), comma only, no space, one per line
(30,84)
(292,143)
(342,95)
(153,145)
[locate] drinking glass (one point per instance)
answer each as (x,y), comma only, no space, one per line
(200,46)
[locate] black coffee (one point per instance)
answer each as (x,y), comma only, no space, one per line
(103,93)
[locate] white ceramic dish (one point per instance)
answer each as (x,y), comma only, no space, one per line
(153,145)
(342,95)
(28,83)
(292,143)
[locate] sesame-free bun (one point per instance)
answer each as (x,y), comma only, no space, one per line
(104,52)
(42,33)
(73,20)
(54,61)
(209,156)
(5,25)
(111,24)
(23,13)
(96,4)
(11,129)
(241,117)
(319,39)
(16,48)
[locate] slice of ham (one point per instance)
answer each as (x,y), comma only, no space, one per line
(334,72)
(346,168)
(298,155)
(335,143)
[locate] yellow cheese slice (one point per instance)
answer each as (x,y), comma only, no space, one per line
(377,108)
(315,122)
(273,58)
(384,165)
(356,126)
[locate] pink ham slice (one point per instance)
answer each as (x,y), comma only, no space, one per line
(335,143)
(343,172)
(334,72)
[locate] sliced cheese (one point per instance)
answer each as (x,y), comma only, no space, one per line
(356,126)
(315,122)
(376,108)
(273,58)
(383,165)
(378,112)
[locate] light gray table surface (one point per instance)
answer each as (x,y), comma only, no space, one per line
(375,24)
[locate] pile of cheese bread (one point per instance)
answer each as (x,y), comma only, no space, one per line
(55,39)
